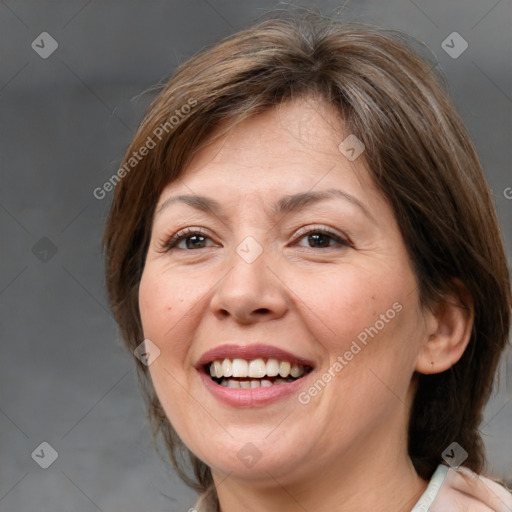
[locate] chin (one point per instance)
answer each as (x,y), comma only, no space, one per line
(252,457)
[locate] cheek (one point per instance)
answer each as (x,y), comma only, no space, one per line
(347,302)
(369,317)
(165,306)
(372,342)
(162,306)
(153,304)
(172,304)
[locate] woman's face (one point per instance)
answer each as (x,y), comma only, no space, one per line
(274,253)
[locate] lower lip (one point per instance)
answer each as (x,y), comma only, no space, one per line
(252,397)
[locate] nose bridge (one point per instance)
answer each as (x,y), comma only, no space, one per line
(247,278)
(249,290)
(250,250)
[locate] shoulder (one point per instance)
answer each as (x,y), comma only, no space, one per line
(459,489)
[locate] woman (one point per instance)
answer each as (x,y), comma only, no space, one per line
(304,239)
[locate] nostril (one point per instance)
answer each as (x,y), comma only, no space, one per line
(261,311)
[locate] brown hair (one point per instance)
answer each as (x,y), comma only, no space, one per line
(418,153)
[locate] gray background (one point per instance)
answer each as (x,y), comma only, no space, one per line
(65,123)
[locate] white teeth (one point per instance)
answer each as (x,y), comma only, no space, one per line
(226,368)
(251,384)
(218,369)
(295,370)
(284,368)
(272,368)
(240,368)
(232,383)
(255,369)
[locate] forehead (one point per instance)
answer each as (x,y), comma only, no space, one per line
(288,149)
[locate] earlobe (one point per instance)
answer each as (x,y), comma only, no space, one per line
(449,329)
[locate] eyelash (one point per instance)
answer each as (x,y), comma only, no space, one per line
(185,233)
(181,235)
(310,230)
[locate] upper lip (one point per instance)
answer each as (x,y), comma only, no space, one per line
(249,352)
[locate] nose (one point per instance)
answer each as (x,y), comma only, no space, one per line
(249,292)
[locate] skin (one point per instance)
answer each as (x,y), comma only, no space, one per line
(311,296)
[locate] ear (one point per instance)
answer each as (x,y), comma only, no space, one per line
(449,325)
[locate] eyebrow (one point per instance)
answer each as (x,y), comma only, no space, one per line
(285,205)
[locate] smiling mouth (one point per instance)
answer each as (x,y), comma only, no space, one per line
(254,373)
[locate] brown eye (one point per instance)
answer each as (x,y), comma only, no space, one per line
(194,241)
(189,239)
(321,239)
